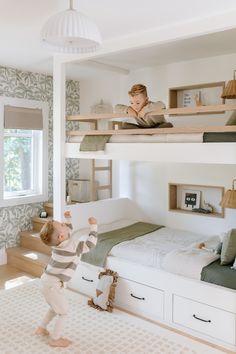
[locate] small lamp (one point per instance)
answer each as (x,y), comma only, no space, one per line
(229,198)
(230,88)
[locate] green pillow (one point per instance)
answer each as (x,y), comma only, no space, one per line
(228,252)
(232,119)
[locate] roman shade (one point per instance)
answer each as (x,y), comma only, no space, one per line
(23,118)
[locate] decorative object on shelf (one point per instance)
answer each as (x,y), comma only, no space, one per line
(101,108)
(192,98)
(208,206)
(187,99)
(43,214)
(230,89)
(71,31)
(201,210)
(229,198)
(199,95)
(198,99)
(190,199)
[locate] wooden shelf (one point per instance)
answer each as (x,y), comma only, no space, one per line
(195,96)
(170,111)
(151,131)
(209,194)
(91,117)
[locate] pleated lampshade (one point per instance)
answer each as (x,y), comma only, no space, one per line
(229,198)
(230,89)
(71,31)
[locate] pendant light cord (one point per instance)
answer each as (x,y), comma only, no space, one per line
(71,5)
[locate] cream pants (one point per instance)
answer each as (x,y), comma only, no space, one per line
(54,294)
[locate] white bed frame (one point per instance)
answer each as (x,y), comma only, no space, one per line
(201,309)
(196,152)
(214,153)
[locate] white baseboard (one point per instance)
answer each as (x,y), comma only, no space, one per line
(3,256)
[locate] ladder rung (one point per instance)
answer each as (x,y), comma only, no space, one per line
(108,186)
(104,168)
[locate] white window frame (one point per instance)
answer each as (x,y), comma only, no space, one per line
(40,163)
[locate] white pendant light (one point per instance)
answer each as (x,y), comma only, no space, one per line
(71,31)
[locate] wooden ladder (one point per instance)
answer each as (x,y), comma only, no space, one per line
(94,187)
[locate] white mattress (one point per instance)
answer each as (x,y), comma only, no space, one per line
(155,138)
(150,249)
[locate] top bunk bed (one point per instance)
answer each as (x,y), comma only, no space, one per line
(205,144)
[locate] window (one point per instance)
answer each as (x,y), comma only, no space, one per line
(24,151)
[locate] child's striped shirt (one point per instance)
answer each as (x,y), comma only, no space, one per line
(65,257)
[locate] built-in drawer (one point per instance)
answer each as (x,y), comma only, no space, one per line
(140,299)
(203,318)
(85,280)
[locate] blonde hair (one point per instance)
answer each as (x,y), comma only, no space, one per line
(137,89)
(47,232)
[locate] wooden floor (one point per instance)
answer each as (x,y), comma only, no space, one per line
(11,277)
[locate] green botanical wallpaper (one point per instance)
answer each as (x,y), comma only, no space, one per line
(35,86)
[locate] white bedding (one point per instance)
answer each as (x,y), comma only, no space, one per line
(188,262)
(155,249)
(151,249)
(155,138)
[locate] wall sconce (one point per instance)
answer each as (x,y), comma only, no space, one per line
(229,198)
(230,89)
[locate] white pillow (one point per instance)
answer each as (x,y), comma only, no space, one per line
(105,291)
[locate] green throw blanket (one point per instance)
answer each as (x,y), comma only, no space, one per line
(106,240)
(94,142)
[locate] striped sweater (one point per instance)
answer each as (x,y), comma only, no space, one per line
(65,256)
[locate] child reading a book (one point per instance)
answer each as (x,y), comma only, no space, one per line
(142,110)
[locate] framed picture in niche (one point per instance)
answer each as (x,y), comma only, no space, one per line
(190,199)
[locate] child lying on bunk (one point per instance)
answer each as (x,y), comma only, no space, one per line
(64,259)
(141,109)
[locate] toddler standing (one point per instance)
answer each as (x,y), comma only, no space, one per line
(61,267)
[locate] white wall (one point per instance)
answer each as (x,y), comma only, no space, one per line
(108,86)
(147,183)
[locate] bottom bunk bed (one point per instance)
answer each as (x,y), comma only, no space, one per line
(147,287)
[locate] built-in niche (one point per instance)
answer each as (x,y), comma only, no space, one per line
(196,199)
(208,94)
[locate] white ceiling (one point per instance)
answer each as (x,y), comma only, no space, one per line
(22,20)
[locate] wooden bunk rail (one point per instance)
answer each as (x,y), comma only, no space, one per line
(92,117)
(169,111)
(174,130)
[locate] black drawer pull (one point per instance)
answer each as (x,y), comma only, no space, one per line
(89,280)
(201,319)
(136,297)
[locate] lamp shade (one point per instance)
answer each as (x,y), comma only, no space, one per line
(71,31)
(230,89)
(229,198)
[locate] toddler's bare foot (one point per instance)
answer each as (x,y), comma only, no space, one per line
(41,331)
(61,342)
